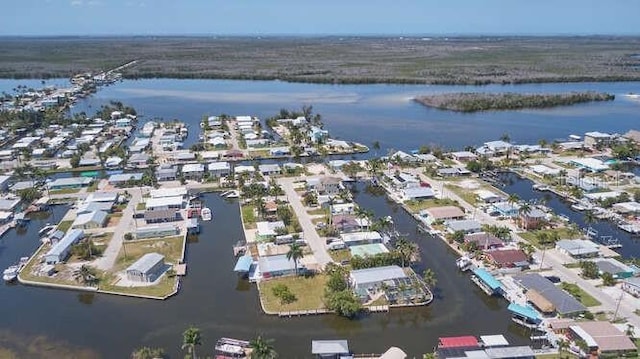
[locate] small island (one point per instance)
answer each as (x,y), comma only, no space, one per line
(476,101)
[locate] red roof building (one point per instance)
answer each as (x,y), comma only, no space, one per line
(458,342)
(508,258)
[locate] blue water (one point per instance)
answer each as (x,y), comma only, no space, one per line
(385,113)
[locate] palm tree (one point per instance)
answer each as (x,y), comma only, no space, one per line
(406,249)
(262,348)
(590,218)
(562,346)
(295,253)
(190,339)
(513,198)
(524,212)
(86,275)
(429,277)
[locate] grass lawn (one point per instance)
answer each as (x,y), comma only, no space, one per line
(317,212)
(340,255)
(163,288)
(140,206)
(562,233)
(248,215)
(466,195)
(170,247)
(309,292)
(417,206)
(564,355)
(64,225)
(93,187)
(582,296)
(65,191)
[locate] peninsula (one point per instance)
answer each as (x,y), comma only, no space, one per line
(477,101)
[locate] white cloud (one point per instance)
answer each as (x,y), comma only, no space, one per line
(85,3)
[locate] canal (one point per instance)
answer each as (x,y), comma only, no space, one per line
(215,300)
(523,188)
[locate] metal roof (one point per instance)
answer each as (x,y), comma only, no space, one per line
(525,311)
(467,341)
(329,347)
(163,201)
(493,340)
(279,263)
(146,262)
(124,177)
(464,225)
(561,300)
(377,274)
(487,278)
(243,264)
(96,216)
(69,239)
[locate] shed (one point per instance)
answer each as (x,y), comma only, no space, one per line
(146,269)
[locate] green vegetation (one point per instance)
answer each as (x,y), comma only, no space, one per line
(547,237)
(262,348)
(308,292)
(248,215)
(64,191)
(148,353)
(170,248)
(337,295)
(449,60)
(479,101)
(282,292)
(582,296)
(589,269)
(466,195)
(418,205)
(64,225)
(191,338)
(340,255)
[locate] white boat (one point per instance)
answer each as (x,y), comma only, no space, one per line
(205,213)
(464,263)
(11,273)
(46,230)
(231,194)
(231,348)
(578,207)
(563,218)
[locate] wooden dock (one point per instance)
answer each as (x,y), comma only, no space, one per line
(301,313)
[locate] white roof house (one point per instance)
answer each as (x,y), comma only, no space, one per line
(244,169)
(360,238)
(578,247)
(164,202)
(95,219)
(588,163)
(146,269)
(487,196)
(364,278)
(545,170)
(193,168)
(267,229)
(168,192)
(413,193)
(60,250)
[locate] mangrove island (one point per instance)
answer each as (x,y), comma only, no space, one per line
(476,101)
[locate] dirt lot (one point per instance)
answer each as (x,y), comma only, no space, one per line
(473,60)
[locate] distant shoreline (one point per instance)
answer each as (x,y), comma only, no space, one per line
(476,101)
(331,59)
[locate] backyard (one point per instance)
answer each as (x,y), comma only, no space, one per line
(308,291)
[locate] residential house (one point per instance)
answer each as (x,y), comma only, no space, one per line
(268,230)
(69,183)
(62,248)
(329,186)
(578,248)
(508,258)
(278,266)
(90,220)
(279,151)
(138,160)
(365,281)
(269,169)
(597,139)
(123,179)
(505,209)
(147,269)
(444,213)
(88,207)
(563,303)
(533,220)
(614,267)
(603,338)
(157,231)
(465,226)
(348,223)
(359,238)
(417,193)
(219,169)
(487,196)
(161,215)
(166,173)
(463,156)
(193,171)
(632,286)
(484,241)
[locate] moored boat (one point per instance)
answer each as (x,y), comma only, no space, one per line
(205,213)
(227,348)
(11,273)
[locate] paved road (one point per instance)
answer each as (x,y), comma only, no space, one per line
(316,243)
(110,254)
(552,258)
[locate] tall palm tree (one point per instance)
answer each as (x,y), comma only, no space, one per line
(406,249)
(295,253)
(262,348)
(524,211)
(590,218)
(513,198)
(190,339)
(429,277)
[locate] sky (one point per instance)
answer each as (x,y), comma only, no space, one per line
(320,17)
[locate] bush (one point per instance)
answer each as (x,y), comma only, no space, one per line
(282,292)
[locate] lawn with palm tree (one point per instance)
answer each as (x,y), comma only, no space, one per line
(309,292)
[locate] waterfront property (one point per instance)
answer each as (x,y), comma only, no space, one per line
(563,303)
(146,269)
(60,250)
(366,282)
(69,183)
(508,258)
(365,250)
(484,241)
(268,230)
(524,315)
(445,213)
(487,282)
(578,248)
(466,226)
(124,178)
(157,231)
(614,267)
(278,266)
(90,220)
(359,238)
(330,349)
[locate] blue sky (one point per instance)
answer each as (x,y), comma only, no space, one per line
(306,17)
